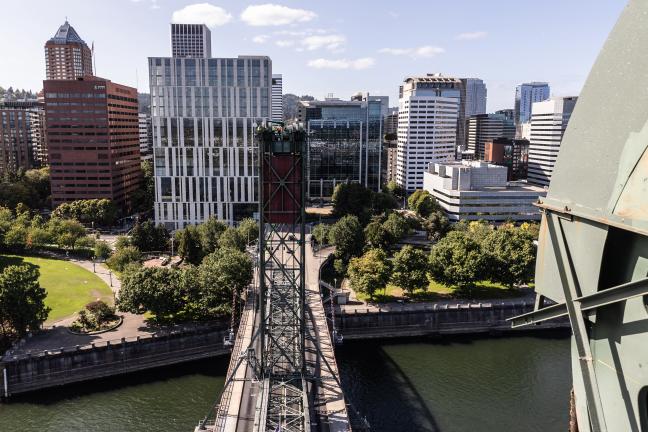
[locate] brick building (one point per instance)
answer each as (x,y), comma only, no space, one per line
(67,56)
(93,140)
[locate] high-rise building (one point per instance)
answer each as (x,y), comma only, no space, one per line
(525,96)
(508,113)
(472,102)
(511,153)
(33,110)
(391,121)
(92,140)
(277,97)
(190,40)
(67,56)
(205,112)
(145,137)
(548,123)
(483,127)
(344,144)
(427,126)
(16,146)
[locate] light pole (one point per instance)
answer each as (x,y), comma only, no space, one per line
(110,275)
(172,239)
(93,265)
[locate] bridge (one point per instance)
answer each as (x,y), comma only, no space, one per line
(282,374)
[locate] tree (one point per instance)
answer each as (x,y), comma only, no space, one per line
(189,245)
(395,189)
(38,237)
(16,237)
(321,233)
(370,272)
(510,254)
(122,257)
(348,238)
(377,236)
(457,260)
(232,239)
(436,225)
(222,275)
(422,203)
(352,199)
(100,211)
(382,202)
(410,269)
(144,196)
(155,289)
(102,250)
(22,299)
(396,225)
(210,231)
(65,232)
(249,229)
(122,241)
(146,236)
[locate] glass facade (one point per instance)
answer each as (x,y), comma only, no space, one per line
(344,146)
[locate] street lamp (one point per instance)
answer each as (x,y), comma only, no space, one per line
(172,239)
(110,275)
(93,265)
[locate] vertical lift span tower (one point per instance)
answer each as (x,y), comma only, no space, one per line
(593,245)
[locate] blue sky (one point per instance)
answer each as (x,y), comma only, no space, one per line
(331,46)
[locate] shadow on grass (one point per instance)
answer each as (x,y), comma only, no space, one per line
(9,260)
(486,292)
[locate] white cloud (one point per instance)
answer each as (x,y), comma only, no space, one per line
(361,63)
(274,15)
(284,43)
(260,39)
(202,13)
(153,3)
(330,42)
(416,52)
(472,35)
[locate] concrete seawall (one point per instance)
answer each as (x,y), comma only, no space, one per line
(435,319)
(34,371)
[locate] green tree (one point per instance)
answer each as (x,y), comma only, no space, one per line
(65,232)
(232,239)
(119,260)
(382,202)
(144,196)
(146,236)
(377,236)
(22,299)
(510,254)
(122,241)
(154,289)
(102,250)
(457,260)
(352,199)
(100,211)
(348,238)
(210,231)
(410,269)
(370,272)
(396,225)
(395,189)
(436,225)
(38,237)
(249,229)
(221,275)
(16,237)
(321,233)
(422,203)
(189,245)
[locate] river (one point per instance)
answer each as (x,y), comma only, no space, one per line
(506,384)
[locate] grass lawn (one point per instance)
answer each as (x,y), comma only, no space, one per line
(484,290)
(69,287)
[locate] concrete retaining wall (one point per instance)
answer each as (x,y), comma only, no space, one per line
(52,368)
(435,319)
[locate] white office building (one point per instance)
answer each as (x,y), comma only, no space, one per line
(204,115)
(474,190)
(525,96)
(277,97)
(190,40)
(427,126)
(548,123)
(145,137)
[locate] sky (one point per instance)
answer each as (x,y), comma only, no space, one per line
(330,46)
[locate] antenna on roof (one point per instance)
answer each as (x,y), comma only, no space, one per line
(94,61)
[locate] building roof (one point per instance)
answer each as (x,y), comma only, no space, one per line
(66,34)
(438,78)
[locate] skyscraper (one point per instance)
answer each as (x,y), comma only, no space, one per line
(344,144)
(16,141)
(190,40)
(145,137)
(277,97)
(525,95)
(93,140)
(548,123)
(473,102)
(205,112)
(427,126)
(67,56)
(483,127)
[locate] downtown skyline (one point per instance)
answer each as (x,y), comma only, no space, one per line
(320,48)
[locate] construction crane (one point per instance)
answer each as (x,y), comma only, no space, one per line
(593,246)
